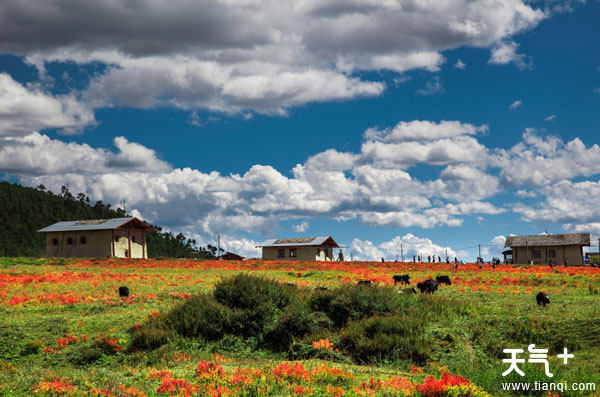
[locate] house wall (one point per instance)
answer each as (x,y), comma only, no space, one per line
(306,253)
(97,245)
(572,253)
(138,244)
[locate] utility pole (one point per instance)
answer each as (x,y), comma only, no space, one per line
(352,256)
(480,251)
(446,254)
(402,252)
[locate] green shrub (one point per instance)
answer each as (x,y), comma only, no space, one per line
(350,303)
(295,321)
(148,338)
(320,300)
(84,354)
(390,338)
(198,317)
(255,303)
(33,347)
(245,291)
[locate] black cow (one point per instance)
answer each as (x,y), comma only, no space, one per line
(364,282)
(402,279)
(123,292)
(321,288)
(542,299)
(428,286)
(443,280)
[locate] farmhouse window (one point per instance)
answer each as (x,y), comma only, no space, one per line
(552,253)
(83,240)
(55,241)
(281,252)
(326,252)
(70,241)
(537,253)
(293,252)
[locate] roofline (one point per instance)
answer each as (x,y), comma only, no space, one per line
(300,244)
(146,226)
(534,243)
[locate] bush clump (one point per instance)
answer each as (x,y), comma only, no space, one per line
(389,338)
(295,321)
(148,338)
(350,303)
(254,302)
(84,354)
(33,347)
(263,313)
(245,291)
(198,317)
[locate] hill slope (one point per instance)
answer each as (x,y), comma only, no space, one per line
(24,210)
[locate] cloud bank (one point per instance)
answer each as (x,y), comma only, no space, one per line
(281,54)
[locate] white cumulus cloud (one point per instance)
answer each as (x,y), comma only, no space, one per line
(392,249)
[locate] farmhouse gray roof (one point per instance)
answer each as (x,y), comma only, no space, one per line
(544,240)
(298,241)
(90,224)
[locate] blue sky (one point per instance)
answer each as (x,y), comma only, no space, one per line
(379,124)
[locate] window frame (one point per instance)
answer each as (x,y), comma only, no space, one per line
(70,241)
(83,240)
(293,252)
(55,242)
(280,252)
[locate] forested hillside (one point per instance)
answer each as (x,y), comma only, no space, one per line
(24,210)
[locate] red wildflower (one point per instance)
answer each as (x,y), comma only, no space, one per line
(206,368)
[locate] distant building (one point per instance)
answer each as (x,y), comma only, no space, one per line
(541,249)
(230,256)
(589,257)
(508,258)
(302,248)
(118,237)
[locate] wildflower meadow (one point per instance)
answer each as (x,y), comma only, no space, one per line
(229,328)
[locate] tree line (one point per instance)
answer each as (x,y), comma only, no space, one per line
(24,210)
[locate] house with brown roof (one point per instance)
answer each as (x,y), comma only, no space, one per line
(300,248)
(541,249)
(97,238)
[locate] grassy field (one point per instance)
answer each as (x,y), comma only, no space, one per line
(64,329)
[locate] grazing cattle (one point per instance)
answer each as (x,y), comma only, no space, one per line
(123,292)
(292,285)
(443,280)
(542,299)
(364,282)
(402,279)
(428,286)
(321,288)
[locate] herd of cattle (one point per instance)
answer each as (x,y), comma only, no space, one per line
(430,285)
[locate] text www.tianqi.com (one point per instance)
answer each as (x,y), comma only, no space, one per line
(550,386)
